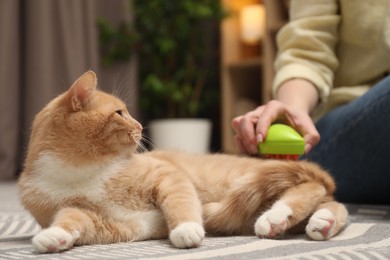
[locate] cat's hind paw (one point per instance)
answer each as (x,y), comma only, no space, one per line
(187,235)
(321,225)
(273,222)
(54,239)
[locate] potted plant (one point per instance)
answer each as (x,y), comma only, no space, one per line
(172,41)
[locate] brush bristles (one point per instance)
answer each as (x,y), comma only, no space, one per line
(292,157)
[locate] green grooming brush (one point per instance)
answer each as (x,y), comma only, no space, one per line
(282,142)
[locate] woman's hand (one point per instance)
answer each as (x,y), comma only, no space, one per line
(297,97)
(252,127)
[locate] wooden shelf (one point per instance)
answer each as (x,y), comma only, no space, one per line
(246,64)
(241,67)
(246,71)
(275,27)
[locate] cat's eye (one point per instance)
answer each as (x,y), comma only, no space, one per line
(119,112)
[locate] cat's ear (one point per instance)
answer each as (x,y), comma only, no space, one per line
(80,93)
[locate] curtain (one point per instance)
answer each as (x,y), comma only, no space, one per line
(44,46)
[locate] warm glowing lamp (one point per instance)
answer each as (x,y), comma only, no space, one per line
(252,23)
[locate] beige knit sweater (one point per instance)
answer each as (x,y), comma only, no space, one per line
(341,46)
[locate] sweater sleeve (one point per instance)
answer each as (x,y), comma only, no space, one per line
(306,45)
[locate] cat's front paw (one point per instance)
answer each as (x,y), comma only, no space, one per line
(321,225)
(273,222)
(187,235)
(54,239)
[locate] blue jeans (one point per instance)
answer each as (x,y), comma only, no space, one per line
(355,147)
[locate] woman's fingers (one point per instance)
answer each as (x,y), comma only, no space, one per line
(244,126)
(271,112)
(239,144)
(303,123)
(310,134)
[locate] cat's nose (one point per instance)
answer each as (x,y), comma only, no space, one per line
(138,125)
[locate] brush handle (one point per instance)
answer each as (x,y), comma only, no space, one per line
(282,140)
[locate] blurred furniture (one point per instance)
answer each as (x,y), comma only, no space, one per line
(44,47)
(247,70)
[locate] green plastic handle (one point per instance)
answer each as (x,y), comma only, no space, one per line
(282,139)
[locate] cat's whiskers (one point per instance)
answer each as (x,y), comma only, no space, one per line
(119,88)
(116,89)
(141,148)
(148,141)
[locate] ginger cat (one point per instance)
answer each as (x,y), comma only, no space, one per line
(85,183)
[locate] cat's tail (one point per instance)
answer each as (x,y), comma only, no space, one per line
(257,190)
(277,176)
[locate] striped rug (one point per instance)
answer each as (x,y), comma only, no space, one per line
(366,237)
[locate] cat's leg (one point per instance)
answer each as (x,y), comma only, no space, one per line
(327,221)
(75,226)
(67,227)
(295,205)
(179,202)
(54,239)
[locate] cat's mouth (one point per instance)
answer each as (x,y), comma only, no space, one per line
(135,136)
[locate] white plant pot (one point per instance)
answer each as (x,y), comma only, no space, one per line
(190,135)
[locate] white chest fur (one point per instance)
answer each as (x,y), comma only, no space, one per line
(60,181)
(148,221)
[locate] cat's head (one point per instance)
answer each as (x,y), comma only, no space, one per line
(85,125)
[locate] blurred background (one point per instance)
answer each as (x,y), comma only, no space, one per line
(179,59)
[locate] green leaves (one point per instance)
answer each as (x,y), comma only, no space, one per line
(115,44)
(169,40)
(177,97)
(154,84)
(166,45)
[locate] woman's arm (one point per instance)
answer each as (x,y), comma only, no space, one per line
(306,46)
(305,67)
